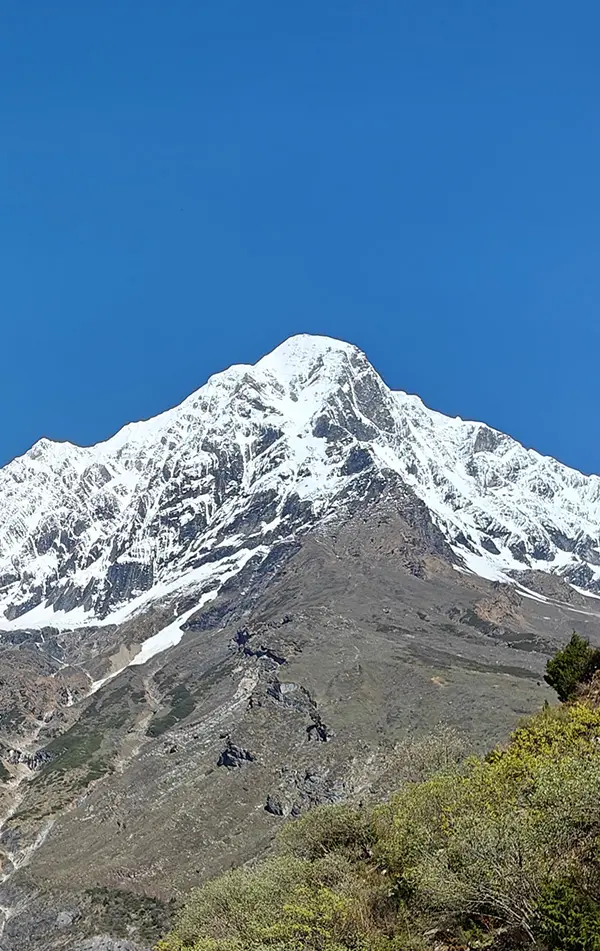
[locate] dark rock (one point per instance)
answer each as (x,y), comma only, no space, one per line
(519,551)
(274,806)
(324,428)
(267,437)
(587,549)
(33,761)
(489,545)
(357,460)
(260,652)
(233,756)
(487,440)
(582,576)
(559,539)
(462,540)
(292,695)
(242,637)
(257,650)
(318,731)
(541,551)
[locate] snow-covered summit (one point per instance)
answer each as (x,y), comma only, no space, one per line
(257,455)
(299,356)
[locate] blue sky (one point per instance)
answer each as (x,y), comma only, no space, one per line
(183,185)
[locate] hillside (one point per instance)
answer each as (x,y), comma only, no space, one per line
(245,608)
(499,852)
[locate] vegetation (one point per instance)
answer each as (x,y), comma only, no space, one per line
(500,852)
(83,754)
(182,705)
(116,911)
(571,667)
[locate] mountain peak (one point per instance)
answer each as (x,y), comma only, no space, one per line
(257,455)
(297,355)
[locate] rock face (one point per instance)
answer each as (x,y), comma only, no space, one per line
(233,756)
(225,616)
(32,761)
(257,455)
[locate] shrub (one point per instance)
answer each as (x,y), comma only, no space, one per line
(284,902)
(571,667)
(569,918)
(487,838)
(328,829)
(236,906)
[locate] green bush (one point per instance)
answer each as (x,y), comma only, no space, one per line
(571,667)
(328,829)
(569,918)
(284,904)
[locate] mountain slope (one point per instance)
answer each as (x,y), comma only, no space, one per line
(306,543)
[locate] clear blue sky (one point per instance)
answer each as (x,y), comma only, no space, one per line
(185,184)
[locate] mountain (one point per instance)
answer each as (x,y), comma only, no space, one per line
(257,455)
(226,615)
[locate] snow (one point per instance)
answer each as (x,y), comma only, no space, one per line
(214,573)
(533,596)
(172,634)
(166,494)
(169,636)
(297,356)
(481,565)
(588,594)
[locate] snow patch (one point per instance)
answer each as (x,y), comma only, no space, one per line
(172,634)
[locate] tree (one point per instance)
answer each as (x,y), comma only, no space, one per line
(572,666)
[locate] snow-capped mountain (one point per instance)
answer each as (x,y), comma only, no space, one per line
(256,456)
